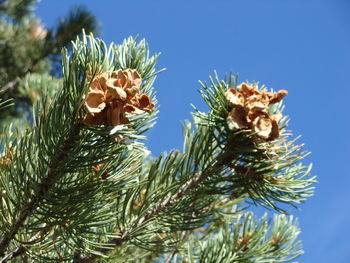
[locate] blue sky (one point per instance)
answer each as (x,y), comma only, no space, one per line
(299,45)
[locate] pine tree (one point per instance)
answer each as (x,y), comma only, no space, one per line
(77,183)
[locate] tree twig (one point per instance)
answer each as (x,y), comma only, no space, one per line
(169,258)
(11,84)
(172,254)
(20,250)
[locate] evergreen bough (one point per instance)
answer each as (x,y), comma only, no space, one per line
(75,191)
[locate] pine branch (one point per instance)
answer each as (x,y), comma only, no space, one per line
(248,239)
(175,250)
(17,8)
(55,134)
(9,85)
(146,206)
(169,258)
(42,188)
(68,29)
(12,84)
(20,250)
(185,189)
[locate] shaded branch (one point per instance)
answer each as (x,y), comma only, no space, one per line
(42,188)
(11,84)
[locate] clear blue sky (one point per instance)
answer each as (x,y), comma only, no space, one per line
(299,45)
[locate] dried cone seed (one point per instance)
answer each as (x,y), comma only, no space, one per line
(112,95)
(250,110)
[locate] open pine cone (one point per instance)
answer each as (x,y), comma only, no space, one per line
(251,110)
(112,95)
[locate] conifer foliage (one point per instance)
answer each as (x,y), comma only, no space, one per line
(77,183)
